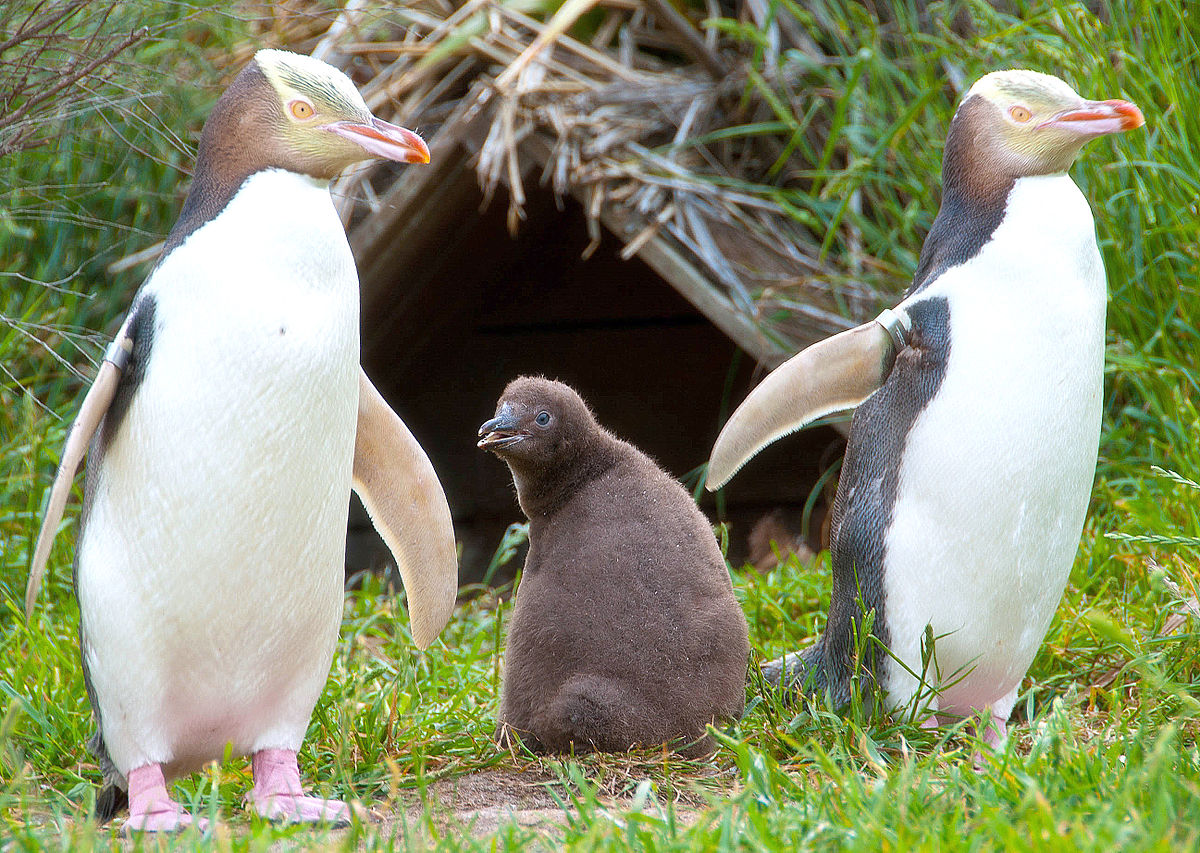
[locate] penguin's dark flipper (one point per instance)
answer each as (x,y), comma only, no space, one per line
(401,492)
(830,376)
(95,405)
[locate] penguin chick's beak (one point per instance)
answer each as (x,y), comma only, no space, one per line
(501,431)
(1096,118)
(383,139)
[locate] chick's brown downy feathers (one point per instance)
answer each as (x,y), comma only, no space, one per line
(625,629)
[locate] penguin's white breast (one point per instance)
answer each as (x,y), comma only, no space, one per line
(997,470)
(211,564)
(255,350)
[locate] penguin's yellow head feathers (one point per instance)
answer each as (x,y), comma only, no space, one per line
(295,112)
(323,118)
(1028,123)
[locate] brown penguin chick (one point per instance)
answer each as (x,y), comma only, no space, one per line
(625,629)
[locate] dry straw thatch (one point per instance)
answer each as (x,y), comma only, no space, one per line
(648,122)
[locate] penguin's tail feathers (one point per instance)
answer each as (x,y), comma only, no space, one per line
(114,794)
(111,800)
(799,672)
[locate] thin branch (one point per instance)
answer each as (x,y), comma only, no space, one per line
(69,80)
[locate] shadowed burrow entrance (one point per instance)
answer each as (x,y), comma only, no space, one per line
(442,337)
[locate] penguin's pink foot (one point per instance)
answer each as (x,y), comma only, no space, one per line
(277,794)
(995,732)
(151,808)
(932,722)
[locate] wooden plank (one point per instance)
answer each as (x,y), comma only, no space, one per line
(661,255)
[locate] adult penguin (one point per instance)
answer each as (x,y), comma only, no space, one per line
(971,457)
(228,424)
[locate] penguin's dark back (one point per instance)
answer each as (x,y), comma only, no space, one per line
(866,495)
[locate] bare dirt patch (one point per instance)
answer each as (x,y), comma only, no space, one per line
(483,801)
(536,800)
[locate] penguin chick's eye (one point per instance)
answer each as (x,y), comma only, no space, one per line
(1020,113)
(543,419)
(301,109)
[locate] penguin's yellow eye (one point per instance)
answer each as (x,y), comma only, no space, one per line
(302,109)
(1020,114)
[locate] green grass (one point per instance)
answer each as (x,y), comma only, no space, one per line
(1103,753)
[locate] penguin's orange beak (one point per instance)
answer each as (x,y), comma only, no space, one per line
(1097,118)
(383,139)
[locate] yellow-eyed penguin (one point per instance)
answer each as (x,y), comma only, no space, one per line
(231,420)
(971,457)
